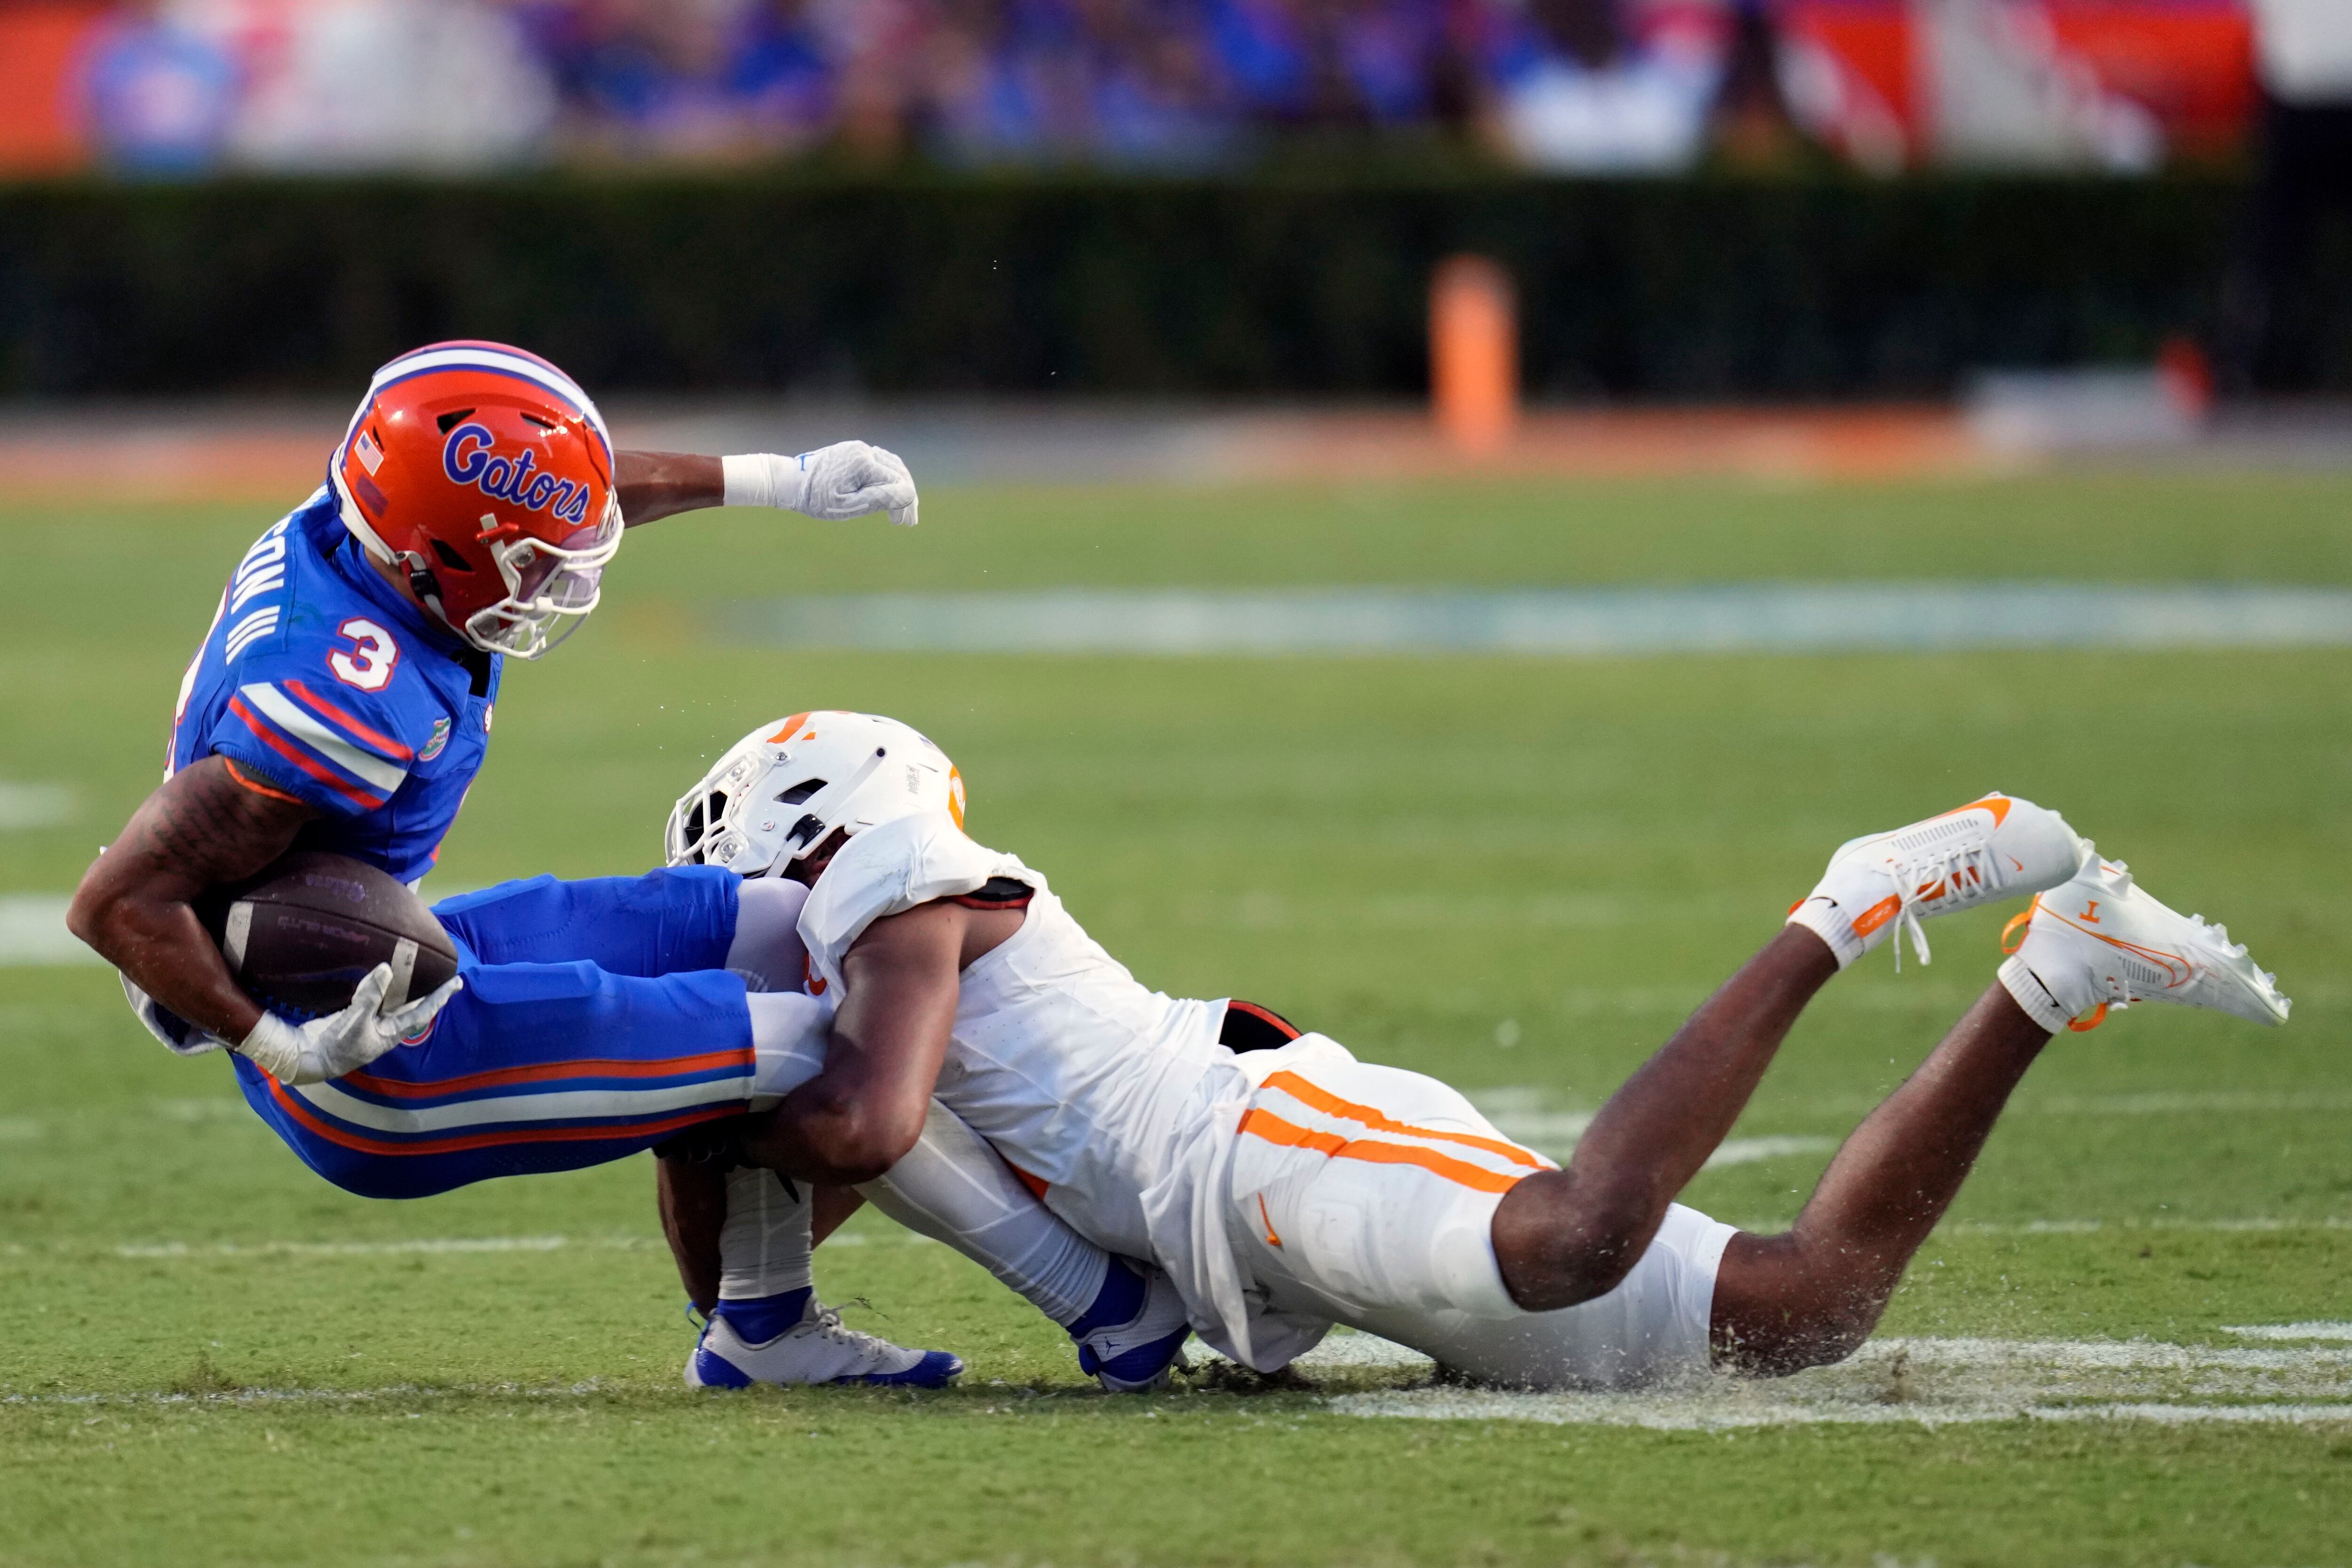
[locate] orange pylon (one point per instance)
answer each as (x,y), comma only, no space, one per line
(1474,353)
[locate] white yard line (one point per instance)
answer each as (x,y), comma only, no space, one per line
(25,807)
(1662,1414)
(1766,617)
(2216,1102)
(2325,1331)
(1529,1115)
(33,932)
(310,1396)
(1920,1382)
(1928,1382)
(458,1245)
(2088,1226)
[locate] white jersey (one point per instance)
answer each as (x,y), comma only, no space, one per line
(1080,1075)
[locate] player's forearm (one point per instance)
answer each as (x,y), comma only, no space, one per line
(661,484)
(828,1134)
(203,828)
(864,1110)
(846,480)
(166,951)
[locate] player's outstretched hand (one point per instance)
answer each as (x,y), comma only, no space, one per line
(345,1041)
(850,479)
(846,480)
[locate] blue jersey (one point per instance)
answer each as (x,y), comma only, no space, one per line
(320,680)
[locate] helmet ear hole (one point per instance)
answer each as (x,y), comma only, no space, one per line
(450,558)
(799,792)
(449,420)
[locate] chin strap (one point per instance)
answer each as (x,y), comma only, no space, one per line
(427,588)
(424,585)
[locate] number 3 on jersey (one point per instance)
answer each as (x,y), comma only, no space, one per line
(368,663)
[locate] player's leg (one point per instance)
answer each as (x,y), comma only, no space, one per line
(1811,1295)
(1126,1318)
(696,1216)
(1572,1236)
(765,1324)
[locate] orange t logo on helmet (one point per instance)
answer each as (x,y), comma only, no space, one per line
(485,475)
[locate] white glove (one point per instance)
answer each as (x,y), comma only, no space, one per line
(341,1042)
(846,480)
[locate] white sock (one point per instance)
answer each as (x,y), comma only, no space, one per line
(1850,894)
(763,1248)
(954,1188)
(2052,990)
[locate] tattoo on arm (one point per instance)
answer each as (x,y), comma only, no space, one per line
(207,824)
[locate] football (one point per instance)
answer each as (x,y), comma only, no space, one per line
(302,935)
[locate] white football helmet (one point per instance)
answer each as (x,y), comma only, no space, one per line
(784,788)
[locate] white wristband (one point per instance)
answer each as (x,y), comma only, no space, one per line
(276,1048)
(763,478)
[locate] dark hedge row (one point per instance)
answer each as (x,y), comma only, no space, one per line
(1689,288)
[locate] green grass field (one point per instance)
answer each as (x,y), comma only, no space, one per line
(208,1355)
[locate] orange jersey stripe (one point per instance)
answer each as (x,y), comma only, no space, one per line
(237,773)
(458,1143)
(547,1072)
(1274,1130)
(1306,1093)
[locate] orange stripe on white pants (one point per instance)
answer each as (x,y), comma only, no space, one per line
(1367,1188)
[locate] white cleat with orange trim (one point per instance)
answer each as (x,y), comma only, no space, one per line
(1990,850)
(2100,942)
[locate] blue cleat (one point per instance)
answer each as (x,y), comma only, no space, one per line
(1132,1338)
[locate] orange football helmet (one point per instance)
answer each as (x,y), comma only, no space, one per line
(485,475)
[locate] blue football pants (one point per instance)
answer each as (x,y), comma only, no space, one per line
(597,1019)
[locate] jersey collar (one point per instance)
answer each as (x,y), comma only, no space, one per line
(346,558)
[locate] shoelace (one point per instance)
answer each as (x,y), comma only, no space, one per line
(1938,870)
(830,1327)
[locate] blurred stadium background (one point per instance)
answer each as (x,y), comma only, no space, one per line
(1467,339)
(1711,200)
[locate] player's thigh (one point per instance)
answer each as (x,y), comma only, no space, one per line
(1652,1329)
(679,918)
(1374,1188)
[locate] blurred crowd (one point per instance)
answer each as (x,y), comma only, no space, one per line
(1624,86)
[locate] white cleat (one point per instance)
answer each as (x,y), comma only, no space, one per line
(817,1349)
(2100,942)
(1990,850)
